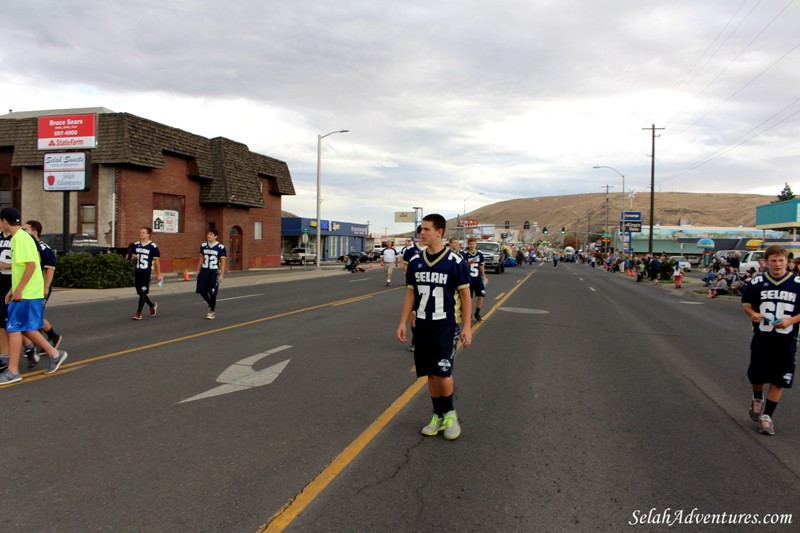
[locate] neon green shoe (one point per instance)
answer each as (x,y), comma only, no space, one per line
(434,426)
(452,429)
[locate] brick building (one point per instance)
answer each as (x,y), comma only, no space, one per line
(141,170)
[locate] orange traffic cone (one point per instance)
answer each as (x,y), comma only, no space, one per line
(186,274)
(372,264)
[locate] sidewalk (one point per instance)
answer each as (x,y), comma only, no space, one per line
(174,283)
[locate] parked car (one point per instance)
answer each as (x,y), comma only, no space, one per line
(493,255)
(300,256)
(79,243)
(685,264)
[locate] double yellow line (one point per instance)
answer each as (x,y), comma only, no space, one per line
(297,505)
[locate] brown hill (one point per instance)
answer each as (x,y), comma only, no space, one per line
(671,209)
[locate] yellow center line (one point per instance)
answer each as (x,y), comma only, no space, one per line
(280,520)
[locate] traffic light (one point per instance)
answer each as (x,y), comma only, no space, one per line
(545,230)
(508,224)
(526,225)
(563,231)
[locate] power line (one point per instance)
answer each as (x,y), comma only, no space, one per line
(730,146)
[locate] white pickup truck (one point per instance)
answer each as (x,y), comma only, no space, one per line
(750,260)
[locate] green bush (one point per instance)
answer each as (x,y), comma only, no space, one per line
(101,271)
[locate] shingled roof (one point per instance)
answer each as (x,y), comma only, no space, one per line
(229,171)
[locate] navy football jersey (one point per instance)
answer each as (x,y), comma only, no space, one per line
(474,262)
(435,284)
(410,252)
(212,255)
(775,299)
(46,255)
(145,253)
(5,257)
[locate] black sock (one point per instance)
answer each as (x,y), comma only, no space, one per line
(51,334)
(477,310)
(437,406)
(758,395)
(141,303)
(770,408)
(447,403)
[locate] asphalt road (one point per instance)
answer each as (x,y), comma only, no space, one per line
(587,400)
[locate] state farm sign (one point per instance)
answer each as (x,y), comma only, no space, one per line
(65,171)
(65,132)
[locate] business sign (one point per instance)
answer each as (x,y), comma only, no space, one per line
(67,132)
(65,171)
(165,221)
(632,227)
(469,222)
(630,216)
(405,216)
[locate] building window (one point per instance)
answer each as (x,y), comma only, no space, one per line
(170,203)
(257,231)
(9,191)
(88,219)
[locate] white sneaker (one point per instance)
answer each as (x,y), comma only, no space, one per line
(434,426)
(765,425)
(452,429)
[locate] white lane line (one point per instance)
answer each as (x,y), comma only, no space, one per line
(240,297)
(357,280)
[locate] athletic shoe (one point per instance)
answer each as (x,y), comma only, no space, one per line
(388,283)
(154,309)
(8,377)
(33,360)
(211,315)
(765,425)
(137,316)
(29,350)
(3,363)
(452,429)
(55,362)
(434,426)
(477,317)
(756,409)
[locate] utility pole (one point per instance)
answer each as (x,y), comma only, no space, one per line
(606,187)
(652,185)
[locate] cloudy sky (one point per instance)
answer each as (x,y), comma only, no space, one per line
(449,103)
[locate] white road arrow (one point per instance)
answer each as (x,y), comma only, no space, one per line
(241,376)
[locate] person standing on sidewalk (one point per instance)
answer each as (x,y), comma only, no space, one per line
(438,292)
(145,254)
(770,300)
(25,299)
(210,271)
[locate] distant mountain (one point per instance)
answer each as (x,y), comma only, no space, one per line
(671,209)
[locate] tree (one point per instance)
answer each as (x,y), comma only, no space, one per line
(786,194)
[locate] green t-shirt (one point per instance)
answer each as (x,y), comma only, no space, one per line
(23,251)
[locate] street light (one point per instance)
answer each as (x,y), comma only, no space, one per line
(319,200)
(623,196)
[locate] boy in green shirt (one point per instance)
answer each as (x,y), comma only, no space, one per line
(25,299)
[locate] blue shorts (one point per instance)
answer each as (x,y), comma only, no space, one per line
(477,287)
(773,358)
(207,281)
(435,348)
(142,281)
(25,315)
